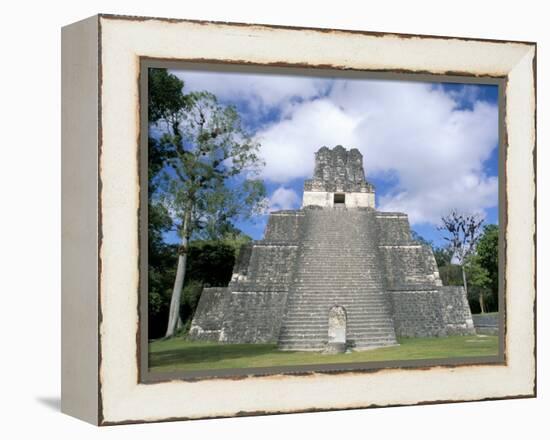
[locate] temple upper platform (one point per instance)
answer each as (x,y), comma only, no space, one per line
(338,180)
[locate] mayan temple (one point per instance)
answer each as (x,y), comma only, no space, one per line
(335,275)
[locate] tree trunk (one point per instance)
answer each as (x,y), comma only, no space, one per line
(481,303)
(464,280)
(175,301)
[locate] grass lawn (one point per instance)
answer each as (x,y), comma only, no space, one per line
(178,354)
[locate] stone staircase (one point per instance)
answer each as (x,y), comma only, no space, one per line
(338,264)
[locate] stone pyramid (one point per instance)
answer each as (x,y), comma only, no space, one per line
(335,275)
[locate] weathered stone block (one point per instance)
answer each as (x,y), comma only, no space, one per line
(207,321)
(486,323)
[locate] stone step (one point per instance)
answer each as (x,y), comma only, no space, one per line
(320,256)
(388,336)
(302,347)
(330,294)
(327,272)
(358,321)
(352,330)
(318,287)
(328,303)
(327,285)
(322,311)
(297,325)
(353,253)
(371,290)
(339,296)
(328,269)
(358,328)
(308,319)
(330,242)
(353,324)
(318,307)
(312,319)
(358,338)
(354,299)
(294,326)
(350,264)
(321,267)
(318,267)
(340,290)
(333,294)
(357,345)
(359,280)
(361,320)
(321,342)
(373,346)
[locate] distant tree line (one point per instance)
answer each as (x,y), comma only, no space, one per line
(469,259)
(210,264)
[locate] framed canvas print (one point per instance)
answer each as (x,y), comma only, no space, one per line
(262,219)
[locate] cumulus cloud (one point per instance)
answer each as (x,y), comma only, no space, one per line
(433,147)
(426,143)
(288,145)
(284,198)
(259,92)
(469,193)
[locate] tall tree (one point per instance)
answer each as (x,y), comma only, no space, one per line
(210,173)
(479,281)
(487,250)
(487,253)
(463,234)
(165,96)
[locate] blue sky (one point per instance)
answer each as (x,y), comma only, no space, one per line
(427,147)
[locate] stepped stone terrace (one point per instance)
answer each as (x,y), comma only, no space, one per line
(335,275)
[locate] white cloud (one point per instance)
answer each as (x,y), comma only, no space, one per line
(467,93)
(432,149)
(283,198)
(288,145)
(414,132)
(470,193)
(261,92)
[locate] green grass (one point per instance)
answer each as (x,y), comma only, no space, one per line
(178,354)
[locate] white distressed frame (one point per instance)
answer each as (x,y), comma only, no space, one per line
(122,41)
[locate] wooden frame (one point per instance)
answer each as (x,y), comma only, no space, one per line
(101,200)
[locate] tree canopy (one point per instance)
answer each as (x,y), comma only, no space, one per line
(479,268)
(203,171)
(211,167)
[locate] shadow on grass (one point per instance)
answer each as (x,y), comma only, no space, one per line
(178,353)
(210,353)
